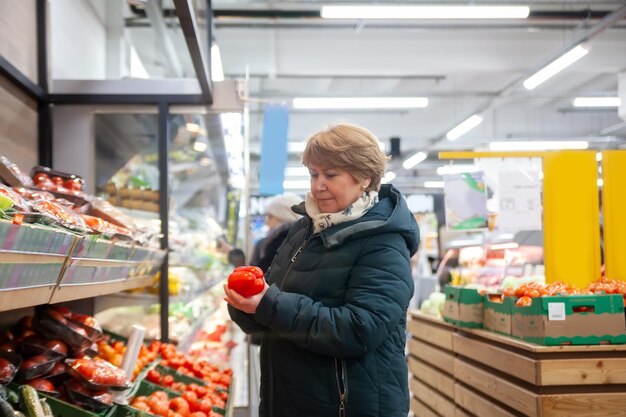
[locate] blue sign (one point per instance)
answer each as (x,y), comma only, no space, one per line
(273,149)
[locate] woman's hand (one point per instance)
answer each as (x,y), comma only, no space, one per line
(247,305)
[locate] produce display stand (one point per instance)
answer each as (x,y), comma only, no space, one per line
(459,371)
(32,259)
(97,267)
(41,264)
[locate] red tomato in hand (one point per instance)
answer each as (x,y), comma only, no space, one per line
(246,280)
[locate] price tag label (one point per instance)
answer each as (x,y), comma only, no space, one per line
(556,311)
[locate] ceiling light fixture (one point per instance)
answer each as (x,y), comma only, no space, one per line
(464,127)
(217,71)
(360,102)
(414,159)
(433,184)
(597,102)
(538,145)
(425,12)
(556,66)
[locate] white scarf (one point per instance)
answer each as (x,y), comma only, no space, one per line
(357,209)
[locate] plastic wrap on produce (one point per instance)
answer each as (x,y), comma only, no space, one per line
(12,175)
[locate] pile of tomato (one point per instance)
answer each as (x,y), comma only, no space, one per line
(159,404)
(526,292)
(113,351)
(187,365)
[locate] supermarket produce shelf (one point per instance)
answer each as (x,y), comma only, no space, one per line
(24,297)
(75,292)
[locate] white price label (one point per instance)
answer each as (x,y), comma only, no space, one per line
(556,311)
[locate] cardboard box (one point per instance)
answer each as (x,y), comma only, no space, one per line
(571,320)
(497,313)
(463,307)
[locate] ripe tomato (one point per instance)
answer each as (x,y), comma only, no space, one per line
(192,400)
(524,301)
(140,405)
(167,380)
(160,408)
(154,376)
(180,405)
(206,405)
(161,395)
(246,280)
(41,177)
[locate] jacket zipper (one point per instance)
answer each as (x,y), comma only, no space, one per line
(342,385)
(294,257)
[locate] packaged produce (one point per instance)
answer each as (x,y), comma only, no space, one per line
(106,211)
(97,374)
(19,203)
(90,324)
(89,399)
(12,175)
(9,364)
(44,385)
(63,215)
(58,374)
(37,345)
(246,280)
(36,366)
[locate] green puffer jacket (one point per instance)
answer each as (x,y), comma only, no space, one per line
(334,317)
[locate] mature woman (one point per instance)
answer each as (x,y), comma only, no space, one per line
(333,311)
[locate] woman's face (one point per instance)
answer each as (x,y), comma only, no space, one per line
(334,189)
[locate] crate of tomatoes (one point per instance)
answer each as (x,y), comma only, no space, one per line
(558,314)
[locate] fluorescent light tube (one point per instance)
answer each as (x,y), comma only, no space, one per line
(217,71)
(433,184)
(464,127)
(296,185)
(413,160)
(389,176)
(538,145)
(425,12)
(456,169)
(297,172)
(295,147)
(556,66)
(359,102)
(597,102)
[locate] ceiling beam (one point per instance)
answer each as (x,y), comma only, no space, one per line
(200,57)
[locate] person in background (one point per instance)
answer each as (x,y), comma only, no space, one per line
(236,257)
(278,217)
(333,309)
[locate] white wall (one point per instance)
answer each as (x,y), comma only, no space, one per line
(77,40)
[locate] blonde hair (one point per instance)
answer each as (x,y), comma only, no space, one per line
(348,147)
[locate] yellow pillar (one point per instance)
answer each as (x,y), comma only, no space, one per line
(571,217)
(614,210)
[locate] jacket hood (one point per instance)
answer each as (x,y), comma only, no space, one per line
(390,215)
